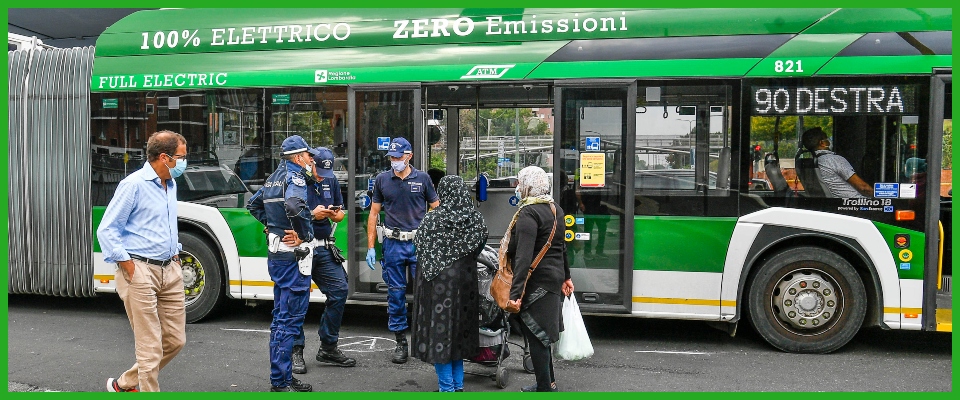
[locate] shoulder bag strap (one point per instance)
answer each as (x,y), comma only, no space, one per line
(543,251)
(549,241)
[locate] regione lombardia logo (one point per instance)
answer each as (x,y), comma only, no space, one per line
(487,71)
(320,76)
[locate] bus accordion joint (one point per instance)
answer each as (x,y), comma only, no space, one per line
(905,215)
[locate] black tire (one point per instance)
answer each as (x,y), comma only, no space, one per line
(528,364)
(202,277)
(502,377)
(807,300)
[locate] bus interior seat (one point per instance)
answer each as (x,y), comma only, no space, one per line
(809,175)
(771,164)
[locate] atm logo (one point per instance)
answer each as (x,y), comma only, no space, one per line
(487,71)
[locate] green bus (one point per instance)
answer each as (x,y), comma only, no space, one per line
(673,137)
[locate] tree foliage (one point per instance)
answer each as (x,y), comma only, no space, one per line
(503,122)
(947,145)
(763,131)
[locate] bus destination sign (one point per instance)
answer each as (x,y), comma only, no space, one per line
(832,99)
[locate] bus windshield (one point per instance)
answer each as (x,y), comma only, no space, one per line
(208,181)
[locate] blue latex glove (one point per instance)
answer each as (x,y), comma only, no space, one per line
(371,258)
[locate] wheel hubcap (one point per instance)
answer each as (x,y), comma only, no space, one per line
(193,278)
(806,300)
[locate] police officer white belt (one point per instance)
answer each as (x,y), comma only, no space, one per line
(275,245)
(397,234)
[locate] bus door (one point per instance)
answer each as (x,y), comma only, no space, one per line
(492,130)
(937,281)
(684,206)
(593,158)
(376,115)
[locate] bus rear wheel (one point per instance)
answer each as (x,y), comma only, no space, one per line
(202,277)
(807,300)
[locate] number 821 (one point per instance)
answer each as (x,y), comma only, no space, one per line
(788,66)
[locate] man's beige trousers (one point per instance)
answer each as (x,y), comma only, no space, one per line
(154,300)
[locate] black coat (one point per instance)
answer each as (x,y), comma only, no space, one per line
(540,307)
(447,313)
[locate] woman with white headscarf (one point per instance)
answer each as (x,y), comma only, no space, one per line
(539,317)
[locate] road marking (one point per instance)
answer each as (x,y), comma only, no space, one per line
(673,352)
(359,344)
(366,344)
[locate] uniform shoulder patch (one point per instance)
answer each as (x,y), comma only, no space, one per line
(298,181)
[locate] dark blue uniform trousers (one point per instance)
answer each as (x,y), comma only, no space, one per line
(289,308)
(398,258)
(331,278)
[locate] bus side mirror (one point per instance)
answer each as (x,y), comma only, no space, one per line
(482,183)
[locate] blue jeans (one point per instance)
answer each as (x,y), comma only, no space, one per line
(398,258)
(289,308)
(449,375)
(331,278)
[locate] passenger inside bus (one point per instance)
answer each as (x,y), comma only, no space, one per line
(835,172)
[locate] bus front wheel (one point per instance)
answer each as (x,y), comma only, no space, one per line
(202,278)
(807,300)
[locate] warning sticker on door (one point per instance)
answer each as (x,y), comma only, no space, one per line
(908,190)
(592,170)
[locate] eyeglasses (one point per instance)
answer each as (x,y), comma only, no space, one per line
(178,156)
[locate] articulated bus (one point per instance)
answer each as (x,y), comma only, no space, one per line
(673,138)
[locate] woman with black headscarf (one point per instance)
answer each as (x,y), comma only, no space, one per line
(446,298)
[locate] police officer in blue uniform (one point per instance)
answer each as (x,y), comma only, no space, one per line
(403,193)
(281,205)
(326,201)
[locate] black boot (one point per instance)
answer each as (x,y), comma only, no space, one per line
(299,366)
(294,386)
(333,355)
(401,353)
(300,386)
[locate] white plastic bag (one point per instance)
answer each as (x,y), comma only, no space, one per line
(574,343)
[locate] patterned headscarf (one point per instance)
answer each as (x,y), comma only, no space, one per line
(534,186)
(452,230)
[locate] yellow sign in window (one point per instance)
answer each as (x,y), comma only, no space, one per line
(592,170)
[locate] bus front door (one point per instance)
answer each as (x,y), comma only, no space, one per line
(593,186)
(376,115)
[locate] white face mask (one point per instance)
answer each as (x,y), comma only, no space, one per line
(398,166)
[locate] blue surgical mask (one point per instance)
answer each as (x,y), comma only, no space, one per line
(517,192)
(398,166)
(179,168)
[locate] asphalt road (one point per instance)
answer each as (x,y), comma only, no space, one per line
(69,344)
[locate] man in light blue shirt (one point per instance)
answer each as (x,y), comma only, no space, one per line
(139,233)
